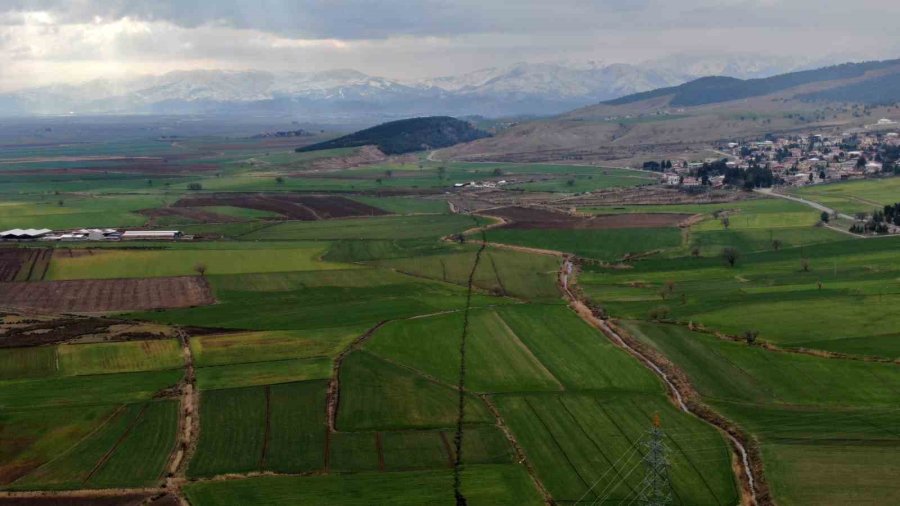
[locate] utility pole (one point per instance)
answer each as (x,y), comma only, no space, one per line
(655,490)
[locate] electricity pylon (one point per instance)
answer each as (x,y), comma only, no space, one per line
(655,490)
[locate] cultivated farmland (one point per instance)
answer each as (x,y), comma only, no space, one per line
(314,355)
(105,295)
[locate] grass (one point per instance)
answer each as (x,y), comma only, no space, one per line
(71,468)
(105,358)
(502,272)
(353,451)
(752,224)
(272,345)
(411,450)
(381,227)
(140,458)
(852,282)
(368,250)
(580,183)
(232,432)
(22,363)
(262,373)
(131,263)
(739,373)
(85,390)
(825,425)
(851,197)
(499,485)
(278,303)
(378,395)
(76,211)
(496,358)
(297,428)
(31,438)
(608,245)
(405,205)
(562,342)
(129,448)
(578,440)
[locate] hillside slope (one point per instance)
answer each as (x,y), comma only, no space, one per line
(686,121)
(407,135)
(716,89)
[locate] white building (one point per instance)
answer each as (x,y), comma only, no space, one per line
(159,235)
(24,234)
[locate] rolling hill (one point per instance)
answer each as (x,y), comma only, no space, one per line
(687,120)
(407,135)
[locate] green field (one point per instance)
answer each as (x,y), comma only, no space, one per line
(362,297)
(579,183)
(128,448)
(501,272)
(272,345)
(132,263)
(499,361)
(262,373)
(851,197)
(379,227)
(588,446)
(812,415)
(103,358)
(232,431)
(376,394)
(76,211)
(497,484)
(608,245)
(378,305)
(770,292)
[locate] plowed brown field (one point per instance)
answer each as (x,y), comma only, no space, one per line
(525,218)
(102,295)
(296,207)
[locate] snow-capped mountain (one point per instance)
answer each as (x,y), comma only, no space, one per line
(522,88)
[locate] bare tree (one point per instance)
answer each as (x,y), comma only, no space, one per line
(200,268)
(776,244)
(750,336)
(731,255)
(804,264)
(659,313)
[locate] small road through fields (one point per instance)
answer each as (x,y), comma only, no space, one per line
(810,203)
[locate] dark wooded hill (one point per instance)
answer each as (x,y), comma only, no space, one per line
(407,135)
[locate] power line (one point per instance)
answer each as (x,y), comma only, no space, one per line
(461,406)
(629,452)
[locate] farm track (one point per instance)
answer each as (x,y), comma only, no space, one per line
(754,488)
(748,464)
(188,423)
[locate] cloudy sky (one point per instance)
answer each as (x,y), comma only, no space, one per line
(53,41)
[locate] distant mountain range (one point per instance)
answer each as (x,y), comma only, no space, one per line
(520,89)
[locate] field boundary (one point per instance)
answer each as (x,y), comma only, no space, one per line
(188,423)
(521,457)
(332,394)
(754,487)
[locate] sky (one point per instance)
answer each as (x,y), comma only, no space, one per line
(68,41)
